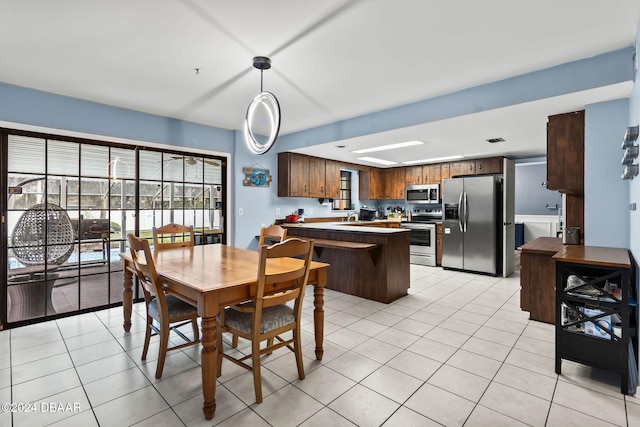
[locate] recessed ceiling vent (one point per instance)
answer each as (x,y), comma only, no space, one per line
(494,140)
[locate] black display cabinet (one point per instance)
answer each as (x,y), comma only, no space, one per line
(597,311)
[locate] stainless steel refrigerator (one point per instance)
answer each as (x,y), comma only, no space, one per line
(472,224)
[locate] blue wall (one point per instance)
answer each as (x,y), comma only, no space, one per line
(606,196)
(532,198)
(601,70)
(32,107)
(634,186)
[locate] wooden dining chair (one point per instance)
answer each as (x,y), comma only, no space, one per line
(272,232)
(268,316)
(173,236)
(168,311)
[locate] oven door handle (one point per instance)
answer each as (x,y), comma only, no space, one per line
(460,212)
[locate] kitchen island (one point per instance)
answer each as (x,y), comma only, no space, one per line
(367,261)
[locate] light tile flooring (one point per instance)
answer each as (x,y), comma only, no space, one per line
(456,351)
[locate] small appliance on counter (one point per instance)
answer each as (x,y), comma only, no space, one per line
(571,236)
(292,219)
(367,214)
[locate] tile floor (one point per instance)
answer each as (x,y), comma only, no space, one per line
(456,351)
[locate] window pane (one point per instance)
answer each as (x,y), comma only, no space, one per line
(151,165)
(26,154)
(212,171)
(30,187)
(94,160)
(94,194)
(122,165)
(63,158)
(173,167)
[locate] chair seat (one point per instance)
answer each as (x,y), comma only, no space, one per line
(177,308)
(272,318)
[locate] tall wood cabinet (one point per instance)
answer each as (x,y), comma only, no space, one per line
(565,153)
(565,163)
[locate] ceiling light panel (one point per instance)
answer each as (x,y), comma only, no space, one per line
(388,147)
(432,160)
(378,161)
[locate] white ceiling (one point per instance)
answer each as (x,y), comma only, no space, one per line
(332,60)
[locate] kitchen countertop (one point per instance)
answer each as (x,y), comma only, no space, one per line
(596,255)
(354,226)
(543,245)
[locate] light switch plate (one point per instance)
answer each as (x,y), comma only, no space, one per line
(240,211)
(277,211)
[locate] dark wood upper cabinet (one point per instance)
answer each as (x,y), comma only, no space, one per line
(435,176)
(469,167)
(413,175)
(565,153)
(445,171)
(483,166)
(380,183)
(397,183)
(300,175)
(293,175)
(455,169)
(496,165)
(332,179)
(317,177)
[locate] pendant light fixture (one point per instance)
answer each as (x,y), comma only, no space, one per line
(263,115)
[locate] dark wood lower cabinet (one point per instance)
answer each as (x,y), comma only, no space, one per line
(537,278)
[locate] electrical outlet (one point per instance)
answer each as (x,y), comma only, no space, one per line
(240,211)
(277,211)
(310,211)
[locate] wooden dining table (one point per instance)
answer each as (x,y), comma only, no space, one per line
(214,276)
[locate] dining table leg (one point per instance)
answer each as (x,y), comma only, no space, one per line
(209,361)
(318,318)
(127,295)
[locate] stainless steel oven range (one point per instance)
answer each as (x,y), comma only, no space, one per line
(422,242)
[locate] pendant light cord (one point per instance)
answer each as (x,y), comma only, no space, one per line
(261,73)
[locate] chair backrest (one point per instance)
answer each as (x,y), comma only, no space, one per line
(145,269)
(271,272)
(173,236)
(272,232)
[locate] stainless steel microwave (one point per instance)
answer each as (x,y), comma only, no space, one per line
(422,193)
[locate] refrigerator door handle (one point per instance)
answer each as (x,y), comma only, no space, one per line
(460,212)
(466,212)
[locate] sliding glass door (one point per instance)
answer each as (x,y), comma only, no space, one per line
(68,206)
